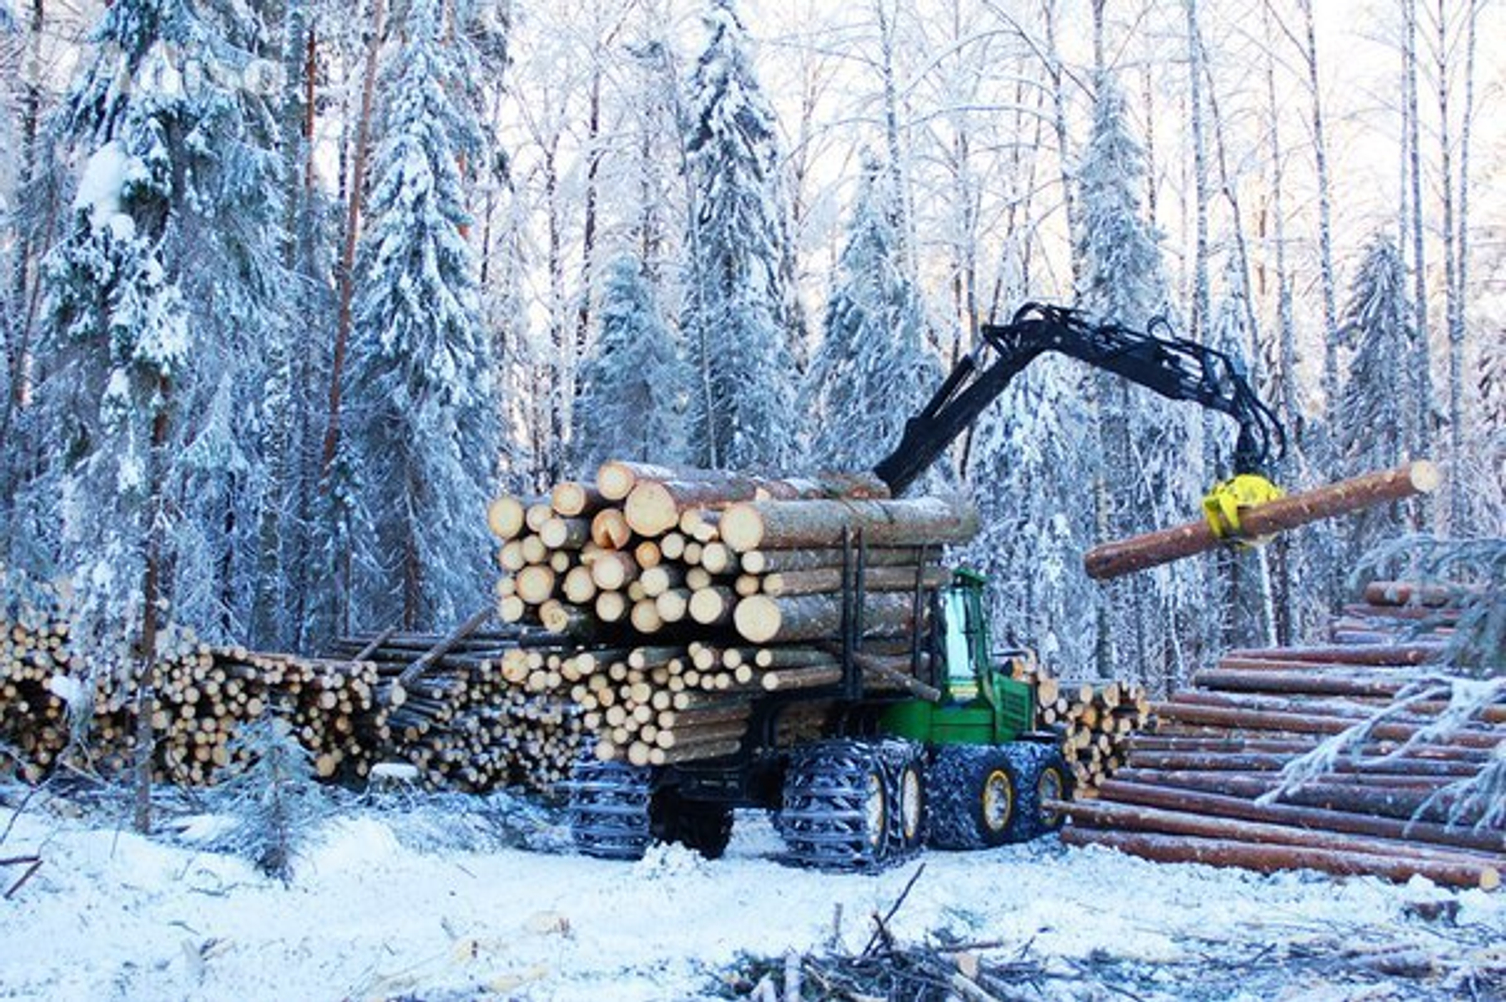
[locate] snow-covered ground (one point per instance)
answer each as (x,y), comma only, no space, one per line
(410,901)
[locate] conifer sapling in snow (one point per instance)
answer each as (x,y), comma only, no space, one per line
(272,794)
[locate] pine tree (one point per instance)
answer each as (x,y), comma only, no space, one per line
(871,371)
(634,384)
(744,371)
(424,428)
(1374,426)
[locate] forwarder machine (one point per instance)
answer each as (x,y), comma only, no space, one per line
(954,762)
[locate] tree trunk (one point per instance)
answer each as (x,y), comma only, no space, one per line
(765,620)
(354,201)
(793,524)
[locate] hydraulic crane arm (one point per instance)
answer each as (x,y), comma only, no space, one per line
(1173,367)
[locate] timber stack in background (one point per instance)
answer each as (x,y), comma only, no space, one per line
(1207,785)
(437,703)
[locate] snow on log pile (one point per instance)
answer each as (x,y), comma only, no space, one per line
(685,593)
(1276,758)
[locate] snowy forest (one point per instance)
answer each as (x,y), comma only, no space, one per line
(291,289)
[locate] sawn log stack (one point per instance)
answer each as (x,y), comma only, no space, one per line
(686,593)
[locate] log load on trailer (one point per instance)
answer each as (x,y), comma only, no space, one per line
(911,730)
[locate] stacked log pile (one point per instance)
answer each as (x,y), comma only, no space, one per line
(52,709)
(1097,721)
(453,716)
(1208,785)
(688,592)
(34,649)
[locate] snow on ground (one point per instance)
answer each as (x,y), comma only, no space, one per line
(430,903)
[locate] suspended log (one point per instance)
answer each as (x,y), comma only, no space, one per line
(1273,858)
(1153,549)
(786,524)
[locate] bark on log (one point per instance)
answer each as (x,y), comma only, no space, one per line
(762,619)
(1328,705)
(1356,654)
(1153,549)
(1253,761)
(1383,593)
(774,561)
(1172,821)
(876,579)
(1214,804)
(1402,804)
(793,524)
(1270,859)
(1302,723)
(656,503)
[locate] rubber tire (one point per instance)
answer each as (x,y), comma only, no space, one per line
(1034,764)
(955,789)
(696,824)
(910,780)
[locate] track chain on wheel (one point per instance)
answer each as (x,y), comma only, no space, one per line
(848,804)
(610,808)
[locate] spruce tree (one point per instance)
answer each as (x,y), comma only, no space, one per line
(1031,456)
(157,296)
(1143,480)
(423,424)
(744,372)
(1374,424)
(634,384)
(871,371)
(272,794)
